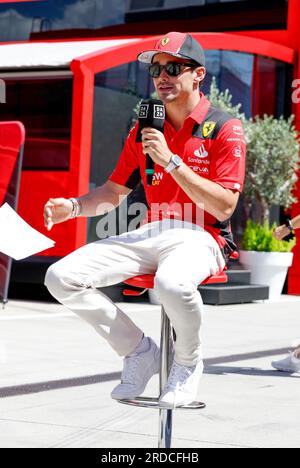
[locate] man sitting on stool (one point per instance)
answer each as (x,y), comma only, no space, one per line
(199,162)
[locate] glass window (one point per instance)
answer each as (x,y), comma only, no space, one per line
(259,83)
(233,71)
(44,106)
(77,18)
(209,15)
(271,84)
(117,93)
(19,20)
(146,4)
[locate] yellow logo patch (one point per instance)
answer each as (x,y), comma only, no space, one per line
(165,41)
(208,128)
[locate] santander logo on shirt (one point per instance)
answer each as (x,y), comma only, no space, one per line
(201,152)
(198,160)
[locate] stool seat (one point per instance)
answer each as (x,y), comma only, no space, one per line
(147,281)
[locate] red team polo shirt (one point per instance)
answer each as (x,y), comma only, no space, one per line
(212,144)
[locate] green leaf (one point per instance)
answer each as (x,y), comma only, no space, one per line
(259,238)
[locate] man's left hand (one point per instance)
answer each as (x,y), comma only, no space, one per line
(154,144)
(281,232)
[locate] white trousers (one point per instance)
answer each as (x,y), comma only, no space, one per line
(180,254)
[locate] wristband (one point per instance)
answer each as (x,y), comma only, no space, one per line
(76,207)
(289,225)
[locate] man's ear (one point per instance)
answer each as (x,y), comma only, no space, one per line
(201,73)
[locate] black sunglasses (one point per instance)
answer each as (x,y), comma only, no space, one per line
(172,68)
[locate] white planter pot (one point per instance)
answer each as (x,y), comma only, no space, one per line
(267,268)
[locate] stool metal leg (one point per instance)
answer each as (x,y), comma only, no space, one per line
(166,359)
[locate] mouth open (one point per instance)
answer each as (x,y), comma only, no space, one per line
(165,88)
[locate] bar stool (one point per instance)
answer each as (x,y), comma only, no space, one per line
(166,359)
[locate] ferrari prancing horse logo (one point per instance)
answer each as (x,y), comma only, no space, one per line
(165,41)
(208,128)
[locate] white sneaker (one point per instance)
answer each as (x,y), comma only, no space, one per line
(138,370)
(289,364)
(181,388)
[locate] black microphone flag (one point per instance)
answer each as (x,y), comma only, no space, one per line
(152,114)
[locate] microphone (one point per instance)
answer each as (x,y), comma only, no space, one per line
(152,114)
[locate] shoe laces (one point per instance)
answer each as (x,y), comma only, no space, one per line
(179,375)
(130,366)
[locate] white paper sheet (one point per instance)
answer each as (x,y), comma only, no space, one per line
(17,239)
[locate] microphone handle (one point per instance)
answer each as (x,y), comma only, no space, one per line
(149,170)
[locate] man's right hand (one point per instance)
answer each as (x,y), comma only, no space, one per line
(57,210)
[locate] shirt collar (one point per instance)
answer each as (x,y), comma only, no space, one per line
(198,114)
(200,111)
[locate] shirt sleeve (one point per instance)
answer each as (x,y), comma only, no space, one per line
(127,171)
(229,156)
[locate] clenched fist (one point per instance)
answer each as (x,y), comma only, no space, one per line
(57,210)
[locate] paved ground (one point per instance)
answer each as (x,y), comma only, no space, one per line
(57,374)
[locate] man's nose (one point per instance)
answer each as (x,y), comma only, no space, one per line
(164,74)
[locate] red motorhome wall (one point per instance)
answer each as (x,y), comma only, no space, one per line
(12,138)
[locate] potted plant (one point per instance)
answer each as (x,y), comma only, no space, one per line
(267,258)
(271,174)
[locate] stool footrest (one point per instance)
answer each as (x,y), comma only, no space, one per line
(147,402)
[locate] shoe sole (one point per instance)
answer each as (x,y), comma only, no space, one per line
(169,406)
(287,371)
